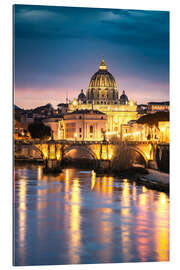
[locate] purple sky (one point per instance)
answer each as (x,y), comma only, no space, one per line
(58,49)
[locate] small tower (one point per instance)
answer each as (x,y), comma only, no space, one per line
(102,65)
(82,97)
(123,98)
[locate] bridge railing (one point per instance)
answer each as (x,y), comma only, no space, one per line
(68,142)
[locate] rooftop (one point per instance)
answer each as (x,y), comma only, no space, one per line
(86,112)
(159,103)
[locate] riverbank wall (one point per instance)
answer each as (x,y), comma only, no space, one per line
(155,180)
(150,178)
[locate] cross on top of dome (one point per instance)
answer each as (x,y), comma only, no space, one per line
(102,65)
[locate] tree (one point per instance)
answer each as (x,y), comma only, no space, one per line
(123,159)
(39,131)
(153,119)
(115,139)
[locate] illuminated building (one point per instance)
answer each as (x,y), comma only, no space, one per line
(142,109)
(164,127)
(102,95)
(133,132)
(84,125)
(62,108)
(53,123)
(154,107)
(20,130)
(143,132)
(139,132)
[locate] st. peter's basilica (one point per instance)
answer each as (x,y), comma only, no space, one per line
(102,95)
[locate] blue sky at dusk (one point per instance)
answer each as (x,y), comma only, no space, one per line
(58,49)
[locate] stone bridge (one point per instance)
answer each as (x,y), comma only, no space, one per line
(99,151)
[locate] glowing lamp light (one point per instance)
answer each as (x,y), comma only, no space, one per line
(131,103)
(74,102)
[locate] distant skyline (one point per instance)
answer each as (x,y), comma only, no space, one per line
(58,49)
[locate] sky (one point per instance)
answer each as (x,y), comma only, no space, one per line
(58,49)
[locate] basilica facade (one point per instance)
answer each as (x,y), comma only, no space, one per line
(102,95)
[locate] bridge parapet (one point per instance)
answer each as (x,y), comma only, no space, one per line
(99,150)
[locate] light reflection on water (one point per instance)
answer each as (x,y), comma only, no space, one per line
(77,217)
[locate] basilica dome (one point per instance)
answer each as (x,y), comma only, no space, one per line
(102,85)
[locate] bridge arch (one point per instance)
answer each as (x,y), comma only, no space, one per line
(37,150)
(28,151)
(140,152)
(83,151)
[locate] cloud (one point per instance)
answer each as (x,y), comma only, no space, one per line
(56,45)
(133,28)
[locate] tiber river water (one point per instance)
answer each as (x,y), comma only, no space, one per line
(76,217)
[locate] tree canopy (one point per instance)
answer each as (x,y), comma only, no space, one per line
(153,119)
(39,131)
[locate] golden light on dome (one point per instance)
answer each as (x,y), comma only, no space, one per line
(102,95)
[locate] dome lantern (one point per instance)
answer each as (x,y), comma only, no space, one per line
(102,65)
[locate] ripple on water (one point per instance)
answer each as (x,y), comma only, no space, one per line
(76,217)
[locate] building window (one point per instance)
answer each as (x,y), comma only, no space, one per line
(91,129)
(80,130)
(101,117)
(102,130)
(80,136)
(80,117)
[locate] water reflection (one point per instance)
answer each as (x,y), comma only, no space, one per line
(162,233)
(75,220)
(21,213)
(77,217)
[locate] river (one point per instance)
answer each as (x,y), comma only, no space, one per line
(76,217)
